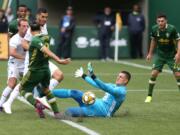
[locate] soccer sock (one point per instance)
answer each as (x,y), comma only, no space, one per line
(178,83)
(61,93)
(52,101)
(29,97)
(4,95)
(152,82)
(53,84)
(14,94)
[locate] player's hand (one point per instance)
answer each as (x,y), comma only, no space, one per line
(65,61)
(149,57)
(90,68)
(79,72)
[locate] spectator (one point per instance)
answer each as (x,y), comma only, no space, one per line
(9,14)
(3,22)
(136,26)
(66,26)
(105,23)
(29,16)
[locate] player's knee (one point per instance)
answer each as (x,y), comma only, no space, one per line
(154,73)
(177,74)
(12,82)
(58,75)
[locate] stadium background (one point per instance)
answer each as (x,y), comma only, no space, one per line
(85,43)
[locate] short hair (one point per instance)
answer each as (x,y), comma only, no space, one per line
(35,26)
(128,75)
(161,15)
(42,10)
(22,5)
(20,20)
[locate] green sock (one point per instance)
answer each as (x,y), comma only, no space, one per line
(152,82)
(52,101)
(29,97)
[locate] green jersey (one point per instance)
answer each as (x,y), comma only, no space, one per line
(166,40)
(13,27)
(37,59)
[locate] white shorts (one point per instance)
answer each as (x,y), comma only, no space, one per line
(52,67)
(14,71)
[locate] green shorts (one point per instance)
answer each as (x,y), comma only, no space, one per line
(33,78)
(159,62)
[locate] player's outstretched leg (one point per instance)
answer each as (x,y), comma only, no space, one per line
(68,93)
(12,97)
(39,107)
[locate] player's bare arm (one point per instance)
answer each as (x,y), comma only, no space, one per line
(151,49)
(25,44)
(14,53)
(177,56)
(53,56)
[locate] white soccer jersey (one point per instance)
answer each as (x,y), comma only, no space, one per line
(15,42)
(16,66)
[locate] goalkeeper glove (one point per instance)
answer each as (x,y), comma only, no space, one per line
(79,72)
(90,68)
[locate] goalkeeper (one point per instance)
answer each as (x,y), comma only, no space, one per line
(102,107)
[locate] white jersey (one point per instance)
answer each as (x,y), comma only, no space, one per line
(16,66)
(15,42)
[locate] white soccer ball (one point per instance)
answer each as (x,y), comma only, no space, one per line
(88,98)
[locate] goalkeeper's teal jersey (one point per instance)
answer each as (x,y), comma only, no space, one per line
(114,96)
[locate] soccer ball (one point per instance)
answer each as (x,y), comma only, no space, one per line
(88,98)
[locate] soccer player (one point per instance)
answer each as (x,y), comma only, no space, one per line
(56,74)
(38,71)
(166,40)
(102,107)
(16,60)
(21,14)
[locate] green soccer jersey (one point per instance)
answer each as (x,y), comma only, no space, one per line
(38,59)
(166,40)
(13,27)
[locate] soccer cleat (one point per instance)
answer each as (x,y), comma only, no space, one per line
(7,108)
(44,102)
(148,99)
(39,109)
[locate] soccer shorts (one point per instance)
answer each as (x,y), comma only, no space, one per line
(159,62)
(14,70)
(52,67)
(96,109)
(32,78)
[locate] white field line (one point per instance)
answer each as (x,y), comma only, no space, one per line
(140,66)
(72,124)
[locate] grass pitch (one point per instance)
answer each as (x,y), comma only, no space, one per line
(134,117)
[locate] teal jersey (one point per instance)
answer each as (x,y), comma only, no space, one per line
(38,59)
(166,40)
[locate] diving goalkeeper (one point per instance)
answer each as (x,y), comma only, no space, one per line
(102,107)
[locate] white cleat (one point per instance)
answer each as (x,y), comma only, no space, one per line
(43,100)
(7,108)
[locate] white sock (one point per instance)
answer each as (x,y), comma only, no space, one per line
(4,95)
(14,95)
(53,84)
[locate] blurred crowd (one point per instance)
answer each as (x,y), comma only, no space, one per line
(105,23)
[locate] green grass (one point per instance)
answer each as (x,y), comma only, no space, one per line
(134,117)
